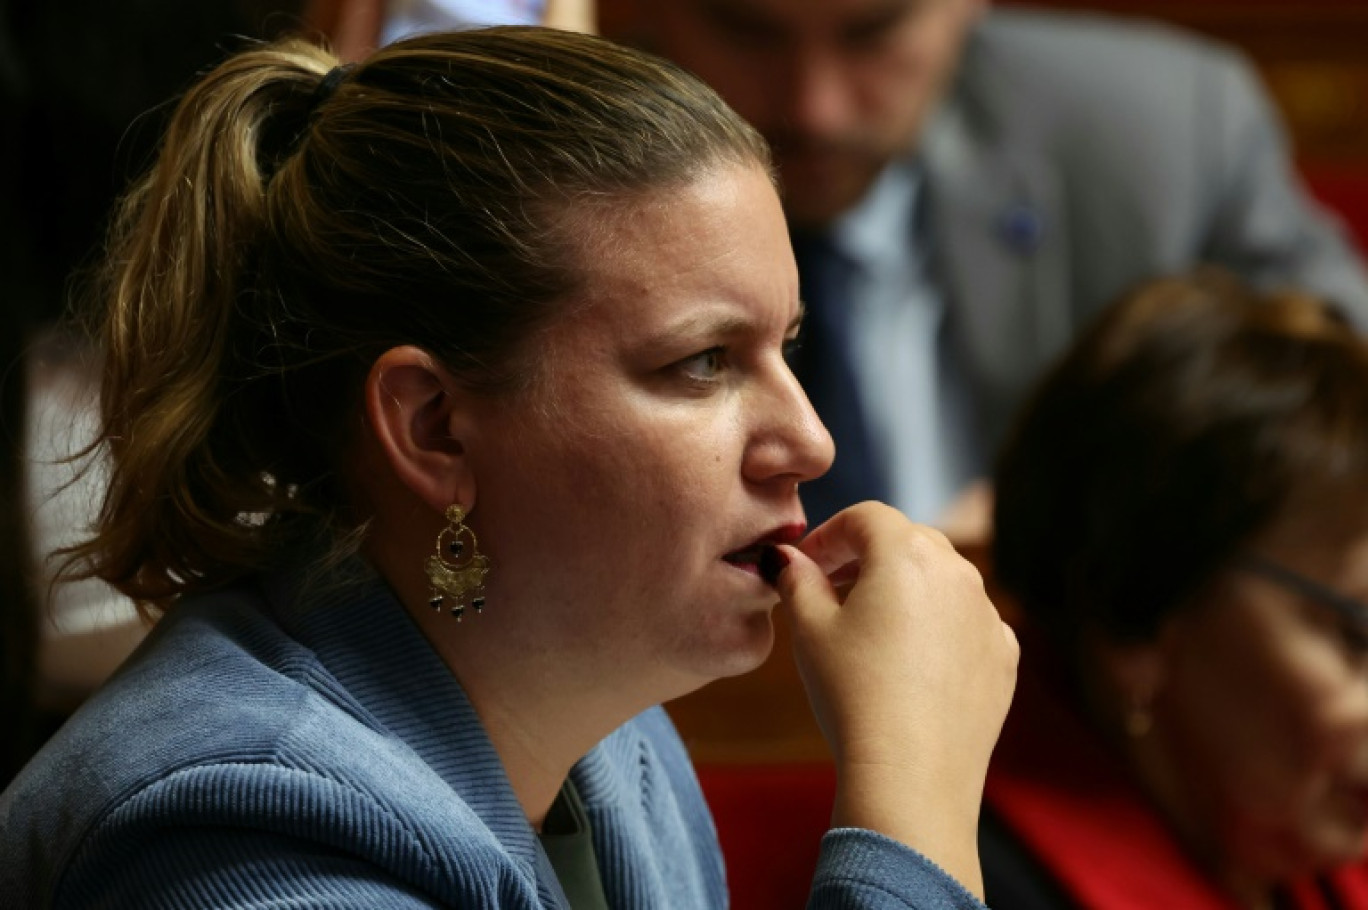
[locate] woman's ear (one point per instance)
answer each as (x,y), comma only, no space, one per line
(1136,673)
(420,418)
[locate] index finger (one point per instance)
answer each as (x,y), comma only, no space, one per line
(860,534)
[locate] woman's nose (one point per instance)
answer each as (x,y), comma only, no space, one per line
(792,441)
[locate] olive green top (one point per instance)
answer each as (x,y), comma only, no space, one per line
(569,844)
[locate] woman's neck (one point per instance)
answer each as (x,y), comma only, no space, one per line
(1172,789)
(543,706)
(538,719)
(540,712)
(537,748)
(543,703)
(1185,807)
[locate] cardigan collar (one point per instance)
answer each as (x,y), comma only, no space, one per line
(385,668)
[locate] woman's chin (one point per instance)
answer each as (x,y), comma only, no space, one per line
(1340,835)
(1317,849)
(1338,846)
(740,645)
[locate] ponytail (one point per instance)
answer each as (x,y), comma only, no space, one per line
(187,484)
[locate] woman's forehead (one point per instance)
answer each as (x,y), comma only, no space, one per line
(1322,524)
(718,236)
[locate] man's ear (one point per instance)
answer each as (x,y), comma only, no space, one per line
(419,417)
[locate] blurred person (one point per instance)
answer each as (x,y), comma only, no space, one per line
(1182,519)
(357,27)
(450,431)
(88,627)
(967,186)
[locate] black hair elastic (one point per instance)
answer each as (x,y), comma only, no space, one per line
(328,84)
(322,92)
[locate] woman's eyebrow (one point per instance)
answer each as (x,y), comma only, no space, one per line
(711,325)
(697,325)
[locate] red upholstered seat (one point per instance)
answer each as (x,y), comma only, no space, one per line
(770,820)
(1344,191)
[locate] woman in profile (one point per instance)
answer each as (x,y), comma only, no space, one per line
(1182,517)
(451,432)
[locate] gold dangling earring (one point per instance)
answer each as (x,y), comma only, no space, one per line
(463,575)
(1139,715)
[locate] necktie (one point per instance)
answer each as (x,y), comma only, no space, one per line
(825,366)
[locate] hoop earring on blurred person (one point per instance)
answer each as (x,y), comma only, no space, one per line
(1140,714)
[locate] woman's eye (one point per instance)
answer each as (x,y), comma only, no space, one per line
(1354,638)
(703,366)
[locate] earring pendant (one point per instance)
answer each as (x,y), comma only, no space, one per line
(456,569)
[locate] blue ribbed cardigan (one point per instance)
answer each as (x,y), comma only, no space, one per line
(260,752)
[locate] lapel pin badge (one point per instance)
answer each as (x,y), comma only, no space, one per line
(1021,229)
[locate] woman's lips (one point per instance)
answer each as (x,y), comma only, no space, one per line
(761,557)
(766,561)
(747,559)
(750,553)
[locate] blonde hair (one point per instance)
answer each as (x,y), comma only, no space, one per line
(283,241)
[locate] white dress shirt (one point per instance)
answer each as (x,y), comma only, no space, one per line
(918,409)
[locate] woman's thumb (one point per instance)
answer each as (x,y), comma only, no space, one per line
(804,591)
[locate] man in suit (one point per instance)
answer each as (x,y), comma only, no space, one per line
(985,181)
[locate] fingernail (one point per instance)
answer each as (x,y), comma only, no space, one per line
(773,561)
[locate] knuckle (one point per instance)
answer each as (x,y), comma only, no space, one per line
(967,572)
(937,535)
(1013,644)
(919,540)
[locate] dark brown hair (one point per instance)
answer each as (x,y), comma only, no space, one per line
(438,197)
(1191,415)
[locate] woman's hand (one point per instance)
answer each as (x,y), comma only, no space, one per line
(910,673)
